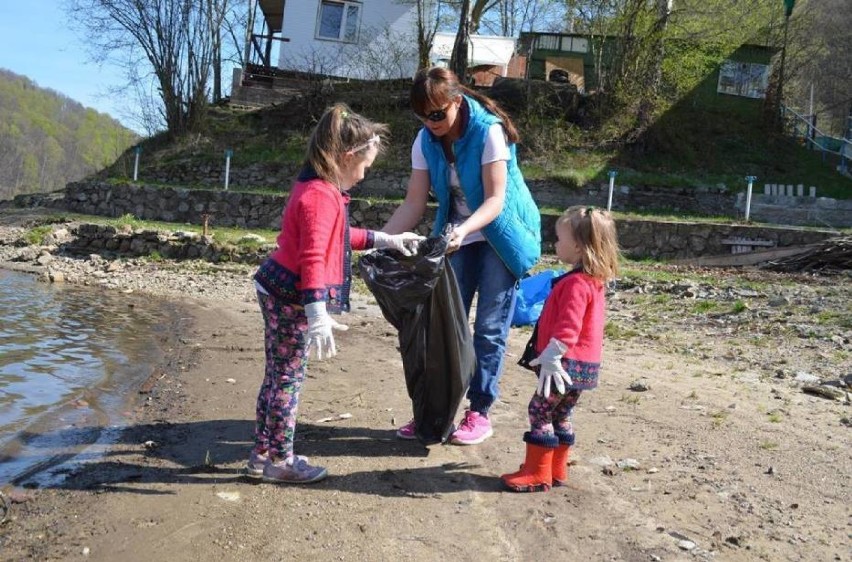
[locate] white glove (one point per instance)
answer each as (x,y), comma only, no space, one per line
(404,243)
(320,325)
(551,370)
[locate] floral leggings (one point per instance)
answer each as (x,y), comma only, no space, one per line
(552,415)
(286,359)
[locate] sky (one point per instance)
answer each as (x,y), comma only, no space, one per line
(36,42)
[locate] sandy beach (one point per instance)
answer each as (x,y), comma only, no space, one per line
(703,441)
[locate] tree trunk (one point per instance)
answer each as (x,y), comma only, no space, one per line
(458,60)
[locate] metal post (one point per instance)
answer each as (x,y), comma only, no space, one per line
(137,150)
(811,123)
(750,180)
(228,154)
(612,174)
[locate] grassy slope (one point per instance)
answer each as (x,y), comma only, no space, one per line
(685,147)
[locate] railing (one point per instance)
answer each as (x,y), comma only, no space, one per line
(803,130)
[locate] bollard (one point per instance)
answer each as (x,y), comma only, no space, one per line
(612,174)
(137,150)
(750,180)
(228,154)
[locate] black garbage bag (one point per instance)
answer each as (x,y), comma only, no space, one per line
(419,296)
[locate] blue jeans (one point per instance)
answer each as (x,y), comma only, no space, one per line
(478,268)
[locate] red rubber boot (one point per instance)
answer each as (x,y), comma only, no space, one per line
(535,474)
(561,457)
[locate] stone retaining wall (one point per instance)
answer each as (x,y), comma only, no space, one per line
(639,238)
(179,245)
(708,201)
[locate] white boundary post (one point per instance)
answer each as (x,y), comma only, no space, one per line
(750,180)
(228,153)
(137,150)
(612,174)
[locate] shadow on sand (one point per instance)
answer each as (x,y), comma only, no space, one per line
(213,452)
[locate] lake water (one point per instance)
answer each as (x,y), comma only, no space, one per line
(71,361)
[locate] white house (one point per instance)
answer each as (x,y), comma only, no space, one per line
(368,39)
(484,50)
(488,56)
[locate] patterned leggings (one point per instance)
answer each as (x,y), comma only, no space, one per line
(552,416)
(286,359)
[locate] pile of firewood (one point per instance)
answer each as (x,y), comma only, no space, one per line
(830,256)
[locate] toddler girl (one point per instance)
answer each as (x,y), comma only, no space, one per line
(566,345)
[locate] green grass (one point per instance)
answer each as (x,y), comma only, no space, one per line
(719,418)
(774,417)
(615,331)
(738,307)
(38,234)
(702,307)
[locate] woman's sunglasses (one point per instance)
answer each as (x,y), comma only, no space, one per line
(435,116)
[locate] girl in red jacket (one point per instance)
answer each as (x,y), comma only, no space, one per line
(307,278)
(566,345)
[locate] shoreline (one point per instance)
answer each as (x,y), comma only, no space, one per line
(99,413)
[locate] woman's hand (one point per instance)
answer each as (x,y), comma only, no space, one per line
(455,239)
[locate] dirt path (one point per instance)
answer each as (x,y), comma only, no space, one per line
(718,475)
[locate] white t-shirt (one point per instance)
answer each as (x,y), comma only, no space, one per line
(496,148)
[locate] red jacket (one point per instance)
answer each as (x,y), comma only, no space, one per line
(574,313)
(313,259)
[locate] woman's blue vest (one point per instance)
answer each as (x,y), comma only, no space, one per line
(516,232)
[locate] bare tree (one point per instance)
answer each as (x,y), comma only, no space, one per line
(428,21)
(820,71)
(458,60)
(173,39)
(478,9)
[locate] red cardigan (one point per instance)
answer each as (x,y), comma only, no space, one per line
(574,314)
(313,259)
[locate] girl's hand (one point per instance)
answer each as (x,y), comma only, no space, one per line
(551,371)
(405,243)
(319,335)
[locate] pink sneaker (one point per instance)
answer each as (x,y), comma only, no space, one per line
(473,430)
(296,470)
(255,464)
(407,431)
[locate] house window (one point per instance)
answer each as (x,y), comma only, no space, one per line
(575,45)
(338,21)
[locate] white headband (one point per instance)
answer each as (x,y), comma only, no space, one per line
(373,140)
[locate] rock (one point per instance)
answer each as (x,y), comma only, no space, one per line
(824,391)
(806,378)
(639,386)
(628,464)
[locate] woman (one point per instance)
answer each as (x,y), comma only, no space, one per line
(465,155)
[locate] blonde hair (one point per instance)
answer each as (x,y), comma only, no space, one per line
(594,230)
(339,131)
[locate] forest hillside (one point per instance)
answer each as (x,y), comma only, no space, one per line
(48,139)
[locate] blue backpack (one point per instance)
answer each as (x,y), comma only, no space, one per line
(532,293)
